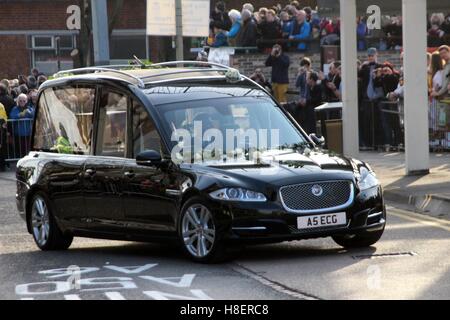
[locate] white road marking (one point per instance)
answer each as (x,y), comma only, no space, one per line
(72,297)
(419,218)
(114,295)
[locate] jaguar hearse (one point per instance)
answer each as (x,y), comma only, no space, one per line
(124,152)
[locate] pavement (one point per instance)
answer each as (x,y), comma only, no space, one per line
(426,194)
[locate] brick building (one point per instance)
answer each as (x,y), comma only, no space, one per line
(31,29)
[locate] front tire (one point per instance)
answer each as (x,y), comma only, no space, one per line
(358,241)
(198,232)
(45,231)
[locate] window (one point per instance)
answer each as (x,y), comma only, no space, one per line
(145,135)
(112,125)
(64,120)
(45,55)
(43,42)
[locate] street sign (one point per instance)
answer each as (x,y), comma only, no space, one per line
(161,18)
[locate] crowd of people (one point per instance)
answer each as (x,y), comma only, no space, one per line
(296,27)
(18,98)
(380,92)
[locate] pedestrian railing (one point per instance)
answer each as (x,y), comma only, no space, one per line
(439,122)
(15,139)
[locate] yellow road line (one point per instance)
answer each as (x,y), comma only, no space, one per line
(419,218)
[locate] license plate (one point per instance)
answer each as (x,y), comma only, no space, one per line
(323,220)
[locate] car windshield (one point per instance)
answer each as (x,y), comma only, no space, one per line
(228,129)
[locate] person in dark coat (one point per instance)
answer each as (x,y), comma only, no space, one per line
(219,14)
(248,33)
(280,72)
(270,30)
(308,114)
(5,99)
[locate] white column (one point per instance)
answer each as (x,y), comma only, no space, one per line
(100,32)
(349,78)
(416,94)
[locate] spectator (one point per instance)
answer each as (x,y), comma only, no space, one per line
(3,137)
(300,30)
(394,33)
(247,34)
(32,98)
(41,80)
(314,100)
(31,82)
(249,7)
(220,37)
(22,80)
(332,83)
(5,99)
(329,33)
(444,52)
(436,72)
(387,78)
(270,30)
(295,4)
(371,96)
(23,89)
(361,32)
(262,15)
(446,25)
(302,81)
(219,14)
(23,116)
(286,23)
(280,72)
(235,17)
(35,73)
(260,79)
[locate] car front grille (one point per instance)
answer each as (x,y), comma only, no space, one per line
(317,196)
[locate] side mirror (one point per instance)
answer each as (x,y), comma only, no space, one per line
(149,158)
(318,141)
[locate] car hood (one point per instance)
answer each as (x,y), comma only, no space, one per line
(284,168)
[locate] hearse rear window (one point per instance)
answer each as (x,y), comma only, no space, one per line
(64,120)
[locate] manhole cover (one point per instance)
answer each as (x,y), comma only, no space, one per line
(385,255)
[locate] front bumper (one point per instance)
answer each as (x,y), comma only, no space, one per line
(269,222)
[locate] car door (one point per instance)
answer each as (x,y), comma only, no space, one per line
(150,192)
(103,171)
(63,132)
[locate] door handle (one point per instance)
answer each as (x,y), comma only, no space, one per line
(90,172)
(130,174)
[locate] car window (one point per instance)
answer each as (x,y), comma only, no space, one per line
(64,120)
(145,135)
(112,125)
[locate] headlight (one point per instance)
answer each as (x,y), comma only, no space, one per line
(238,194)
(367,179)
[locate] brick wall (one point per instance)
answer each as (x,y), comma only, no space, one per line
(14,58)
(247,63)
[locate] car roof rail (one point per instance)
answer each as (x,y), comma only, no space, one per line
(193,62)
(111,69)
(183,72)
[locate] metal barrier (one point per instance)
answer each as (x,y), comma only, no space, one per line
(15,140)
(439,123)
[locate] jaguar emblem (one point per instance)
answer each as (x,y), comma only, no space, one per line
(317,190)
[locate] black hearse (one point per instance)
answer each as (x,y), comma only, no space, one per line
(123,152)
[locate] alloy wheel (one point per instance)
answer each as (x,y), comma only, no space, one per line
(198,231)
(40,221)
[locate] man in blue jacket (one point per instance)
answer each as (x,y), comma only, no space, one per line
(300,30)
(280,72)
(22,115)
